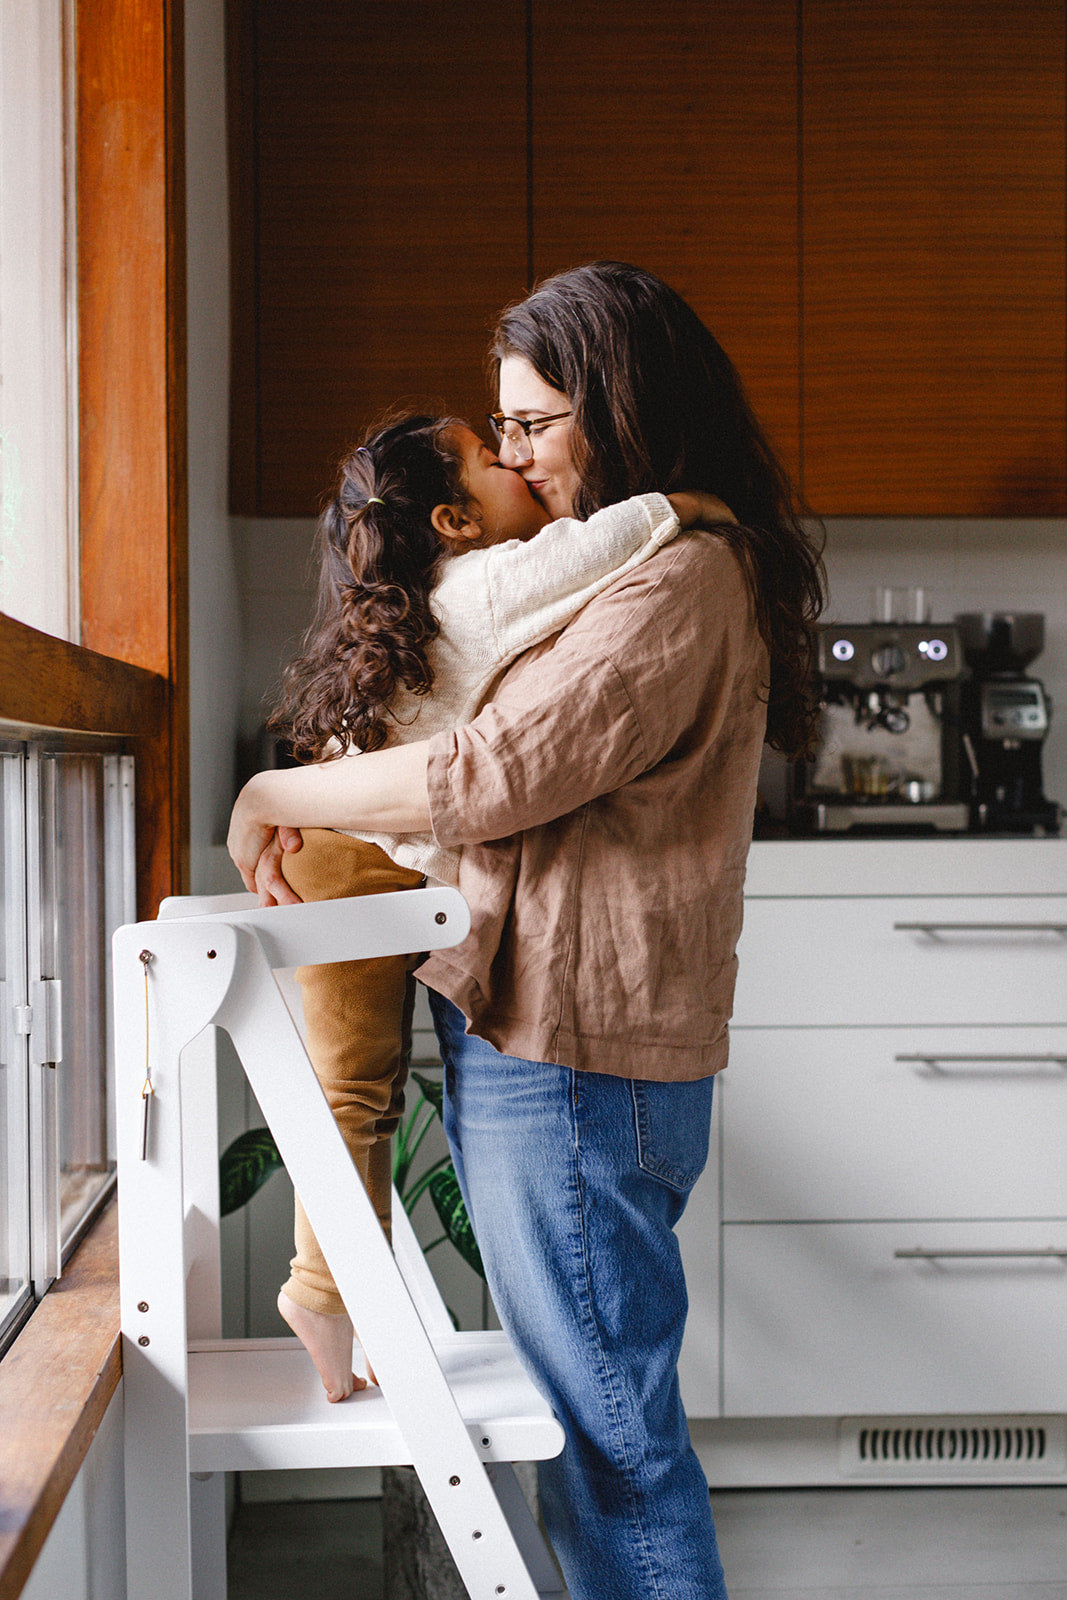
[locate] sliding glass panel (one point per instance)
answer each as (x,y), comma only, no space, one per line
(14,1130)
(75,951)
(67,881)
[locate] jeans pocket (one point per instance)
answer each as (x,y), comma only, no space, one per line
(673,1122)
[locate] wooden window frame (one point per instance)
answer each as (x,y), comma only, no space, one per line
(129,675)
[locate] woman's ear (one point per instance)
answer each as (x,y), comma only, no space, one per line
(454,527)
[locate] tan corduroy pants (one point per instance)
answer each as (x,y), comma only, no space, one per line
(358,1028)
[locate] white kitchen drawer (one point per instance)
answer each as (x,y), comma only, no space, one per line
(872,1124)
(826,1319)
(884,962)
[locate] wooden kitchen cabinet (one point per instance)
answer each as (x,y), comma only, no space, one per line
(866,203)
(379,171)
(934,319)
(668,137)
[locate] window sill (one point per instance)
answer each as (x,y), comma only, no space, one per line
(55,1384)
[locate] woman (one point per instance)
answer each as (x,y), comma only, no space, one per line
(604,803)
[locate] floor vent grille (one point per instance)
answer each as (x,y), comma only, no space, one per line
(972,1447)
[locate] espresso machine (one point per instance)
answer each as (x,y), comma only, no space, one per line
(888,752)
(1005,721)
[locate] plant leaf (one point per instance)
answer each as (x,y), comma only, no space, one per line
(408,1138)
(433,1089)
(244,1167)
(448,1203)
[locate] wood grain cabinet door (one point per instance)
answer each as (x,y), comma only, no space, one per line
(666,135)
(864,202)
(380,223)
(933,258)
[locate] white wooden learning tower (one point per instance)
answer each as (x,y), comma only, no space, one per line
(456,1406)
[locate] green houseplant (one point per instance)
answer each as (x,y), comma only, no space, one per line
(247,1164)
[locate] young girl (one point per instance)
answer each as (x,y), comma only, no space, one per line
(437,569)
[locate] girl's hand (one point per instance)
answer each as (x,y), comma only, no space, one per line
(698,507)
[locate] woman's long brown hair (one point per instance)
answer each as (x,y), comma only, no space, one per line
(658,404)
(378,560)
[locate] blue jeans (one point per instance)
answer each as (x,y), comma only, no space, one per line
(574,1182)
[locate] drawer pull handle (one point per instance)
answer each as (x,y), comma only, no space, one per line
(935,928)
(936,1061)
(1048,1253)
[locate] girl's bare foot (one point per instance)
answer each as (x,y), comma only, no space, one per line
(328,1341)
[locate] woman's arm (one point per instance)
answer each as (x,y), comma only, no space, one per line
(513,595)
(672,646)
(382,791)
(579,728)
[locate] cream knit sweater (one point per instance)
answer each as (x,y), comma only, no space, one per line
(495,603)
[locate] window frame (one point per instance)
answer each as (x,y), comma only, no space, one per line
(129,675)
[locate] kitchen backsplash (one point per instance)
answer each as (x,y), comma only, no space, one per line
(1018,565)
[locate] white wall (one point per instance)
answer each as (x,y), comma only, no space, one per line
(276,579)
(84,1556)
(216,645)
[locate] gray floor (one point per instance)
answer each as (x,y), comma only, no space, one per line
(306,1550)
(810,1544)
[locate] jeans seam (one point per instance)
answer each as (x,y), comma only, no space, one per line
(603,1365)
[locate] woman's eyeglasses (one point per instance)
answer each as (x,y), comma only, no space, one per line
(520,434)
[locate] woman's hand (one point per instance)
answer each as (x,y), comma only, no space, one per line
(383,792)
(257,846)
(247,839)
(270,882)
(693,508)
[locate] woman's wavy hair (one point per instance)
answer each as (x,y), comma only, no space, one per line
(658,404)
(378,560)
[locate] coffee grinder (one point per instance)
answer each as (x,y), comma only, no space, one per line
(1005,721)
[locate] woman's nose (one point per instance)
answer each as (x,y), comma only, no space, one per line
(511,454)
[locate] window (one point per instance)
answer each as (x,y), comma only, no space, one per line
(67,875)
(125,667)
(38,576)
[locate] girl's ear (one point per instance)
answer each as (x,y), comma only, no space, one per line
(454,527)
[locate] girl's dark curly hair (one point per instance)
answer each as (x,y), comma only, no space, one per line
(658,404)
(378,559)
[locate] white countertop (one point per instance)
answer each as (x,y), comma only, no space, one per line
(956,866)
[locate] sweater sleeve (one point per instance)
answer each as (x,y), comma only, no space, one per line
(535,588)
(666,647)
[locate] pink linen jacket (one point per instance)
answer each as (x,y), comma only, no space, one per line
(604,800)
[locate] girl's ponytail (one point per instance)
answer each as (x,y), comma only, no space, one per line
(378,560)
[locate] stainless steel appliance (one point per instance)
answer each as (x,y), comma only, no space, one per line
(889,751)
(1005,722)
